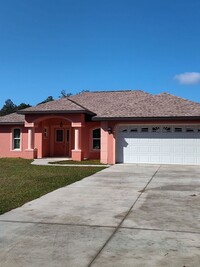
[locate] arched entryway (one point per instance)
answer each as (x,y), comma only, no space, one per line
(53,137)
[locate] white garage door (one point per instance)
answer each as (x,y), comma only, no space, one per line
(158,144)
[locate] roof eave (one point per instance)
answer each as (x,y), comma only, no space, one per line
(174,118)
(11,123)
(56,112)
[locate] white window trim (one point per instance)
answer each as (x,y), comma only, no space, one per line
(95,149)
(12,139)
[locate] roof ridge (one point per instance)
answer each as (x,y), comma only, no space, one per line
(113,91)
(178,97)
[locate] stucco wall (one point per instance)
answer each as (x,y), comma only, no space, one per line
(86,142)
(6,142)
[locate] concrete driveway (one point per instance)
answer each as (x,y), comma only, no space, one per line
(126,215)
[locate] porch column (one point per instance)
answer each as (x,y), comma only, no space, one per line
(77,153)
(30,138)
(31,152)
(76,138)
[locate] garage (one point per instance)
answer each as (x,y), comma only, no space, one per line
(158,144)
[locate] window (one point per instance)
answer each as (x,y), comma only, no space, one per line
(16,138)
(45,132)
(178,130)
(67,135)
(96,139)
(166,129)
(155,129)
(59,136)
(134,130)
(189,130)
(144,130)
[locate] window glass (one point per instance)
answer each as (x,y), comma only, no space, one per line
(166,129)
(134,130)
(67,136)
(16,138)
(96,139)
(96,144)
(189,130)
(59,136)
(96,133)
(45,132)
(144,130)
(178,130)
(156,129)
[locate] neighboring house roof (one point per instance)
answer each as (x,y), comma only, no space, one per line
(13,118)
(63,105)
(111,105)
(136,104)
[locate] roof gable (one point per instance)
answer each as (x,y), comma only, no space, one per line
(62,105)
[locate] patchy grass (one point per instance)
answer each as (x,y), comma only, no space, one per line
(21,182)
(84,162)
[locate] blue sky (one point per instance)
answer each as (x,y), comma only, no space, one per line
(51,45)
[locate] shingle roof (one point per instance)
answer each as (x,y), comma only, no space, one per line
(57,106)
(127,104)
(136,104)
(13,118)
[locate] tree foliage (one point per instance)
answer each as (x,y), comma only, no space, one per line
(23,106)
(63,94)
(9,107)
(48,99)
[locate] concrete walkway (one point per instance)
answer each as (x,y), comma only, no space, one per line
(48,161)
(123,216)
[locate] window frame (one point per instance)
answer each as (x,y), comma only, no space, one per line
(56,135)
(16,138)
(95,138)
(46,132)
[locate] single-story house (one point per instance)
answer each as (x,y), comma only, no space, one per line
(114,126)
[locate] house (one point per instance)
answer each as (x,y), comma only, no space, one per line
(114,126)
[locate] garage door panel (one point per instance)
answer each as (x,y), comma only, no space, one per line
(160,147)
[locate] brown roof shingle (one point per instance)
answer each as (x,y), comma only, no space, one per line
(61,105)
(13,118)
(136,104)
(116,104)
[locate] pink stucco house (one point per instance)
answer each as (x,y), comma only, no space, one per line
(113,126)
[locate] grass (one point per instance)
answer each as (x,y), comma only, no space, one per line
(84,162)
(21,182)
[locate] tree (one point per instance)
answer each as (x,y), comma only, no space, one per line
(48,99)
(9,107)
(23,106)
(83,91)
(63,94)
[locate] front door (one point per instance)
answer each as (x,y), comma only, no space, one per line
(61,142)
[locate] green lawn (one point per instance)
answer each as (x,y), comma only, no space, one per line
(21,182)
